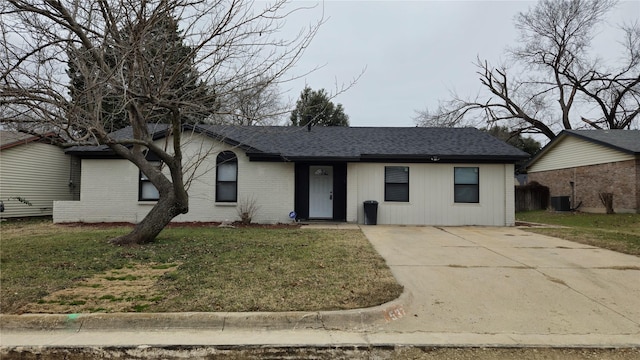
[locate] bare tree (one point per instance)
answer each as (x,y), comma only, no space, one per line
(560,76)
(231,42)
(450,113)
(257,103)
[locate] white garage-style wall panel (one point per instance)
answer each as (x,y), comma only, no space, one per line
(431,195)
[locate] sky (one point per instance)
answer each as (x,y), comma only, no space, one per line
(413,53)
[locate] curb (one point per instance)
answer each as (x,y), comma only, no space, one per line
(354,320)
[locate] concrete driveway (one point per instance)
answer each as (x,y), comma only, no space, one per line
(485,280)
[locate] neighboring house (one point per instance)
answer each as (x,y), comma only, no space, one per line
(33,169)
(419,176)
(580,164)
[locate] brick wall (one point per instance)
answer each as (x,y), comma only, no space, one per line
(109,191)
(620,178)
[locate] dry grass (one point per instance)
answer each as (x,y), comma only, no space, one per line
(618,232)
(51,268)
(128,289)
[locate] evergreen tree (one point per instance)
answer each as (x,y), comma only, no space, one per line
(161,57)
(315,108)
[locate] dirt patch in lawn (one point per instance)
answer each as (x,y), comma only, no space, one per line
(130,289)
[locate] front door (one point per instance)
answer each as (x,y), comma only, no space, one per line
(321,192)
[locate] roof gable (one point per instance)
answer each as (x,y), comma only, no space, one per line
(587,147)
(627,141)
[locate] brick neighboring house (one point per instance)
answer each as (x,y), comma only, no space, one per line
(581,164)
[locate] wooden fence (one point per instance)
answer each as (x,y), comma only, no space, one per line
(532,196)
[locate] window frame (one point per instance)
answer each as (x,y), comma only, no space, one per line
(388,184)
(144,179)
(226,157)
(460,185)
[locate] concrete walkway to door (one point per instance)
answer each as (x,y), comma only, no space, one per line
(497,283)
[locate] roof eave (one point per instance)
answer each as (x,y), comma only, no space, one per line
(437,158)
(33,138)
(94,154)
(411,158)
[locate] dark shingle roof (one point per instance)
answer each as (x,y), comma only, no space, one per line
(627,141)
(157,131)
(367,142)
(359,143)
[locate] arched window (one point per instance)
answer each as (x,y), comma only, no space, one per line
(227,177)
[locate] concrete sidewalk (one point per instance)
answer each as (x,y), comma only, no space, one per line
(464,286)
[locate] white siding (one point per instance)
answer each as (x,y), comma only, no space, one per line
(510,195)
(431,195)
(110,189)
(37,172)
(573,152)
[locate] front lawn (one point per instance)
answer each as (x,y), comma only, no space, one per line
(618,232)
(62,269)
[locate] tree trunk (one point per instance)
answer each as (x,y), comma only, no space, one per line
(168,207)
(607,201)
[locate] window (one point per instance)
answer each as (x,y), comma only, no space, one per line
(466,185)
(227,177)
(146,190)
(396,183)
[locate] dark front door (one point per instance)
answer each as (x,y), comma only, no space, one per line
(321,191)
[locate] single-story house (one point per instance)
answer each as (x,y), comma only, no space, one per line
(418,176)
(580,164)
(33,174)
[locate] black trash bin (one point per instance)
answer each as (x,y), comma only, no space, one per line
(370,212)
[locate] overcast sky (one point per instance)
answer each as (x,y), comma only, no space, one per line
(414,52)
